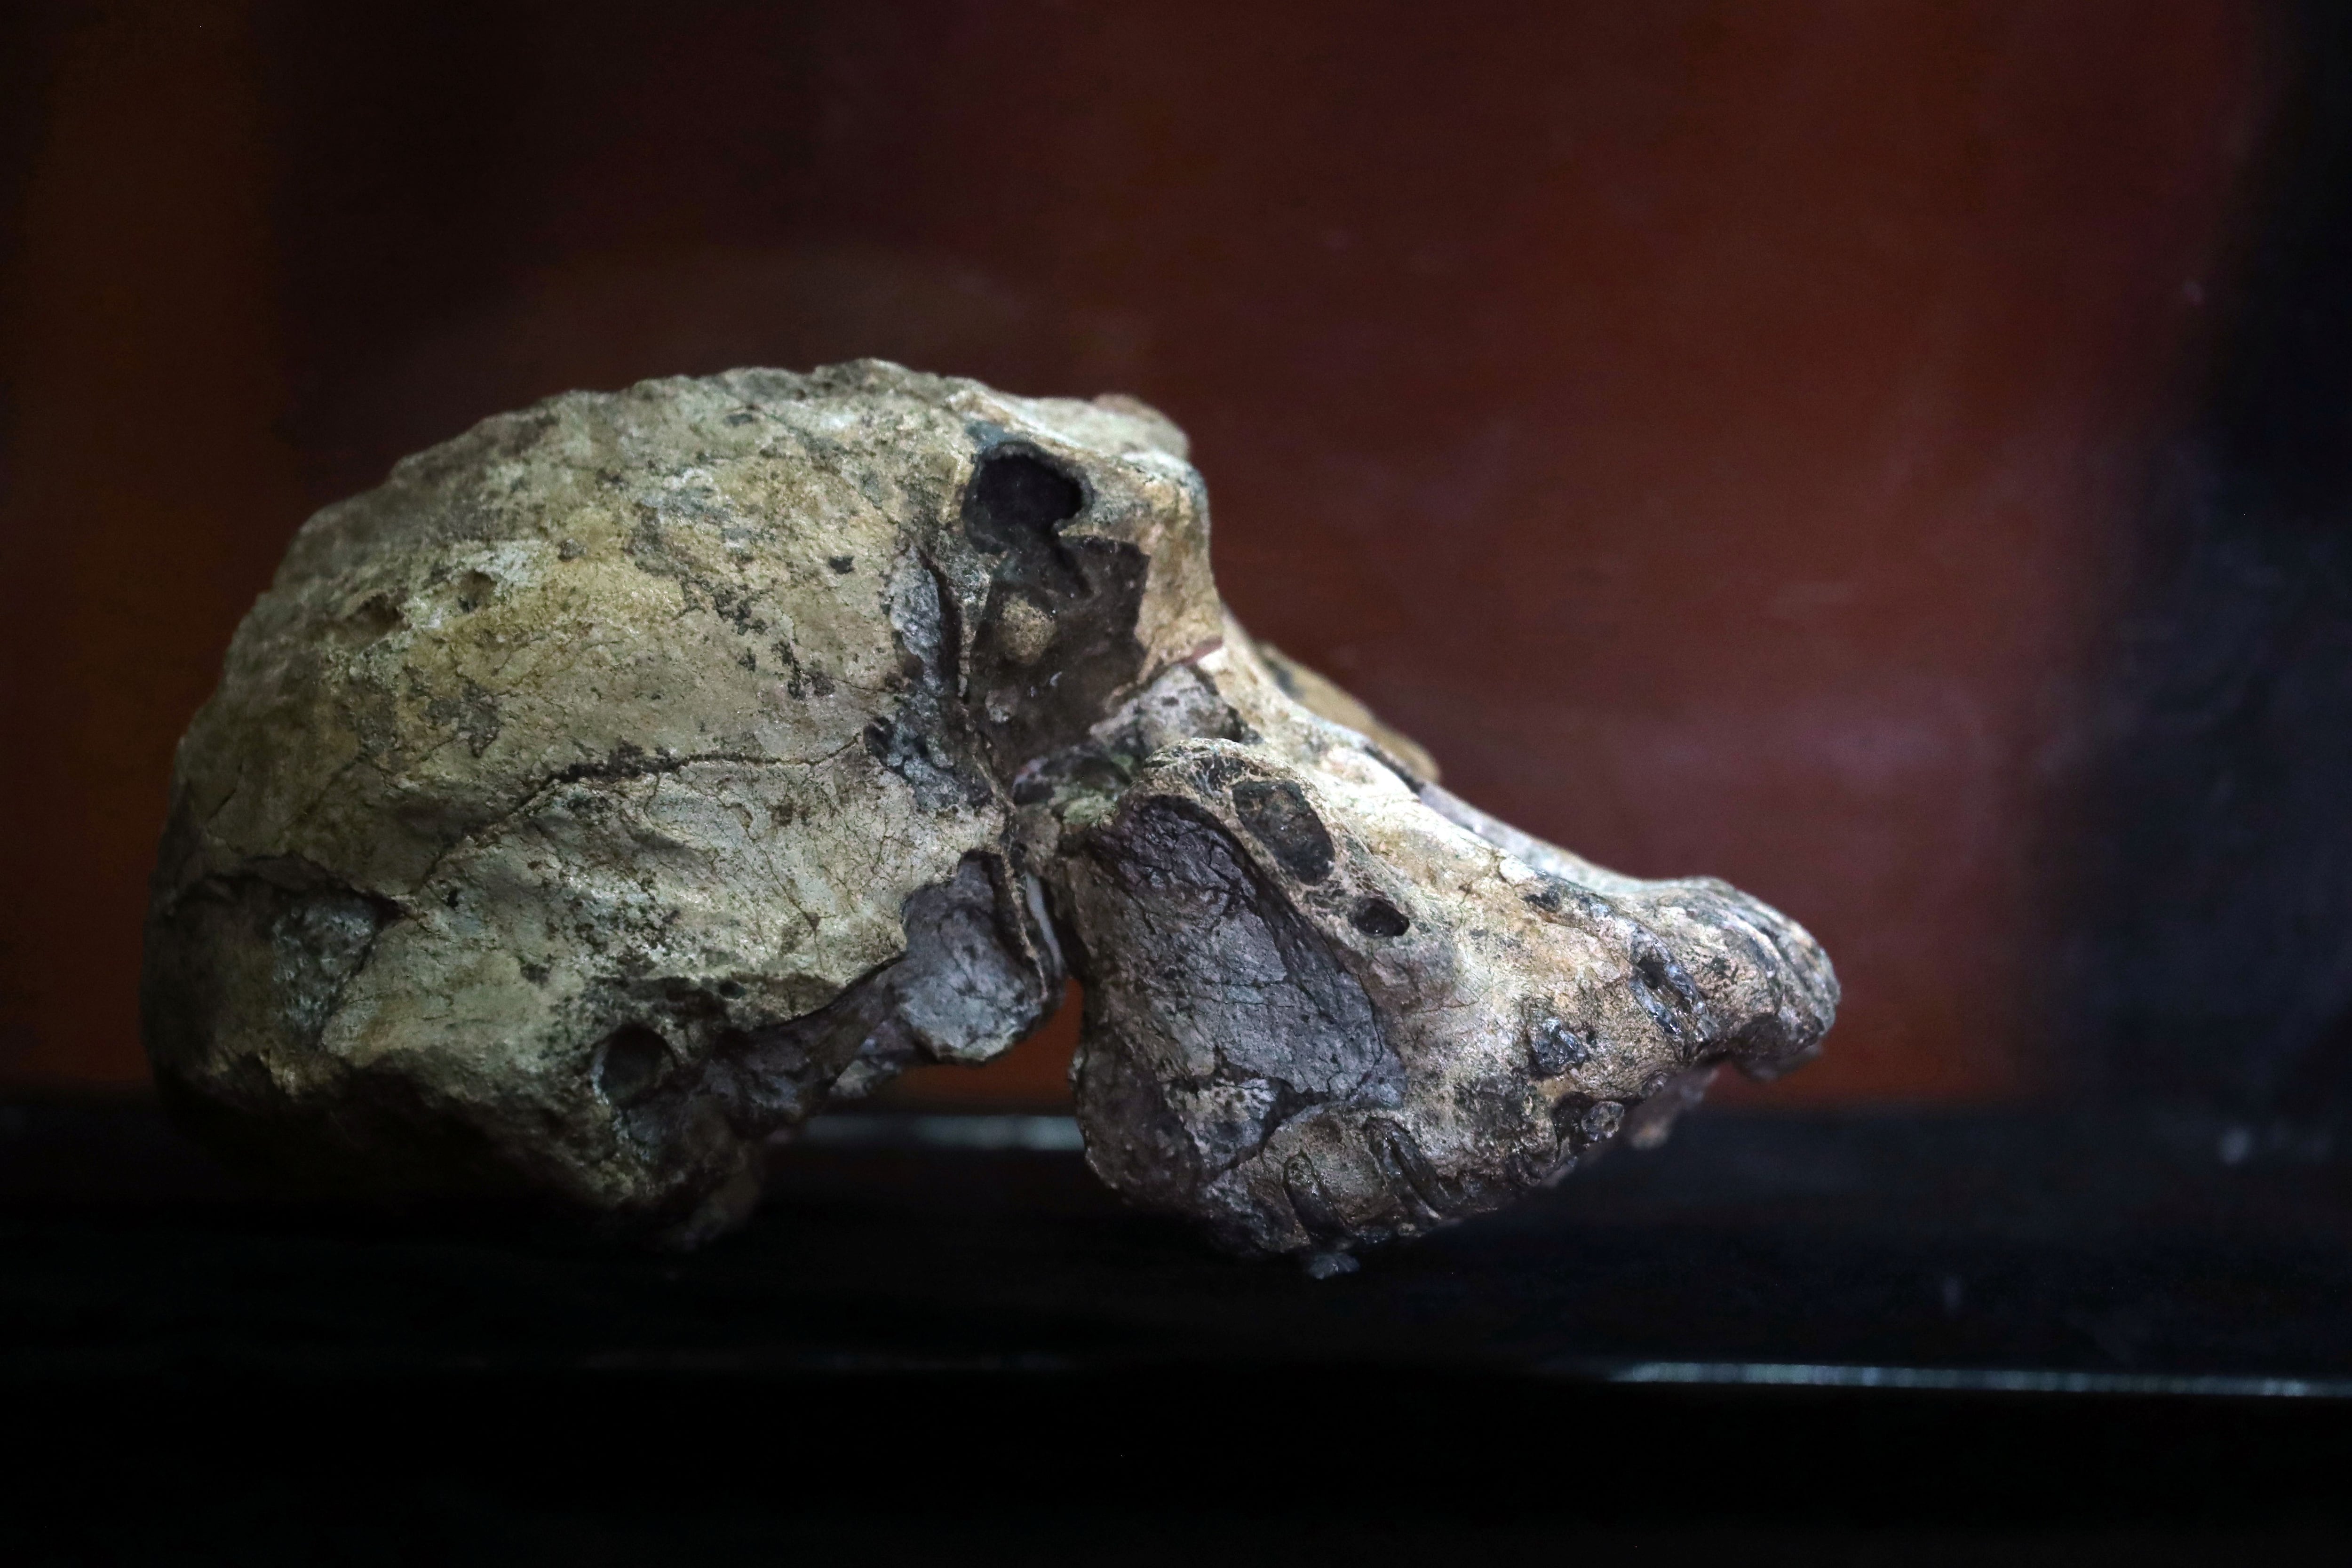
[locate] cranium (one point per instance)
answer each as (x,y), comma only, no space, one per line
(628,778)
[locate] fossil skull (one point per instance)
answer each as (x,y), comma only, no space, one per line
(630,777)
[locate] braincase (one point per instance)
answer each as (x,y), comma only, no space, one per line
(745,566)
(652,718)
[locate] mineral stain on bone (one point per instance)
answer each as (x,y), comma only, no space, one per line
(629,778)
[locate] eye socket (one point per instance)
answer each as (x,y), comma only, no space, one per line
(1016,495)
(1378,917)
(630,1062)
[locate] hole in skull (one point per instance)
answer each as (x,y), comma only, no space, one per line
(1378,917)
(475,589)
(376,619)
(1277,816)
(1015,496)
(630,1063)
(1556,1047)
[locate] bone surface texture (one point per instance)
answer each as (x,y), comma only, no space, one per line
(630,778)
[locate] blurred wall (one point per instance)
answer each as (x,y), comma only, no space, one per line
(1708,426)
(2209,951)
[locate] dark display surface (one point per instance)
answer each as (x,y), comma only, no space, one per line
(2139,1252)
(1783,1335)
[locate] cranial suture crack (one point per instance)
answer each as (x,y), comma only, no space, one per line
(403,934)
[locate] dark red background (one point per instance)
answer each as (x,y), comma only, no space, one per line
(1709,427)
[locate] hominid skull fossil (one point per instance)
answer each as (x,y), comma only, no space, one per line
(632,776)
